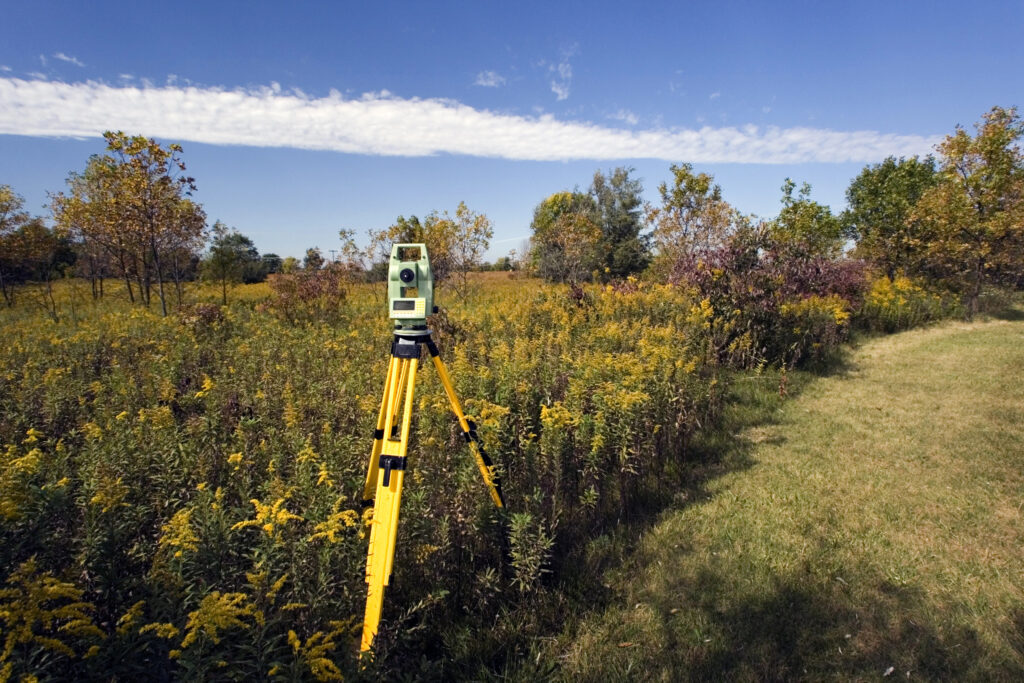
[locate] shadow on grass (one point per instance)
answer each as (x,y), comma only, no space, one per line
(579,589)
(1009,315)
(812,632)
(801,627)
(509,643)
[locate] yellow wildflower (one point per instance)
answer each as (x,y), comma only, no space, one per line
(325,476)
(178,534)
(110,494)
(32,600)
(335,524)
(217,612)
(269,517)
(128,619)
(92,431)
(165,631)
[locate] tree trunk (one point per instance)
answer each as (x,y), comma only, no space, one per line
(127,278)
(975,294)
(177,279)
(144,279)
(159,277)
(8,295)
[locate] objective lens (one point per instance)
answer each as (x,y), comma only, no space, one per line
(407,275)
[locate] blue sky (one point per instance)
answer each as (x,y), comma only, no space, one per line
(299,119)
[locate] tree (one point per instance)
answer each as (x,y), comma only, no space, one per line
(272,263)
(566,242)
(806,223)
(289,265)
(233,258)
(880,201)
(88,216)
(11,218)
(620,216)
(135,201)
(455,244)
(471,235)
(314,260)
(692,217)
(972,220)
(42,254)
(153,202)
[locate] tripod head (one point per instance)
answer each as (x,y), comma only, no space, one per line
(410,287)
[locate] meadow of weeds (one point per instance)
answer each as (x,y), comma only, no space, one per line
(180,496)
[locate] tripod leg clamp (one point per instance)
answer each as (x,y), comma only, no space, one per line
(389,463)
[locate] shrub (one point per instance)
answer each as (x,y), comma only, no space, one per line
(902,303)
(772,302)
(309,295)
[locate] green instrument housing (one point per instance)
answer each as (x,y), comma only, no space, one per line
(410,287)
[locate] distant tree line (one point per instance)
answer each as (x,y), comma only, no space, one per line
(957,220)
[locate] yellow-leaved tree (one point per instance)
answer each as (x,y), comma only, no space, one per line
(456,244)
(134,203)
(972,221)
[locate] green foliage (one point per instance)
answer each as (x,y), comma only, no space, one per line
(619,206)
(577,234)
(132,213)
(880,201)
(567,237)
(272,263)
(11,219)
(313,261)
(232,259)
(692,218)
(806,222)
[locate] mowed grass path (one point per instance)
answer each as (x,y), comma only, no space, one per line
(872,526)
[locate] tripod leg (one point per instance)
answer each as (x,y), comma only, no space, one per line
(483,462)
(388,498)
(378,434)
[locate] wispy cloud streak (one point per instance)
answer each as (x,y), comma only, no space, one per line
(382,124)
(489,79)
(67,58)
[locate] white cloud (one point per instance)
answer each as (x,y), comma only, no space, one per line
(42,59)
(626,116)
(4,67)
(65,58)
(381,124)
(489,79)
(714,95)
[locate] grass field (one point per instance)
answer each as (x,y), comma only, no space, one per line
(869,525)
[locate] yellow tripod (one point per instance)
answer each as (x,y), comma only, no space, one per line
(388,464)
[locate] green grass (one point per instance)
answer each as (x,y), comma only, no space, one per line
(873,520)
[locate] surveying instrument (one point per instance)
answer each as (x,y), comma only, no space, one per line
(410,300)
